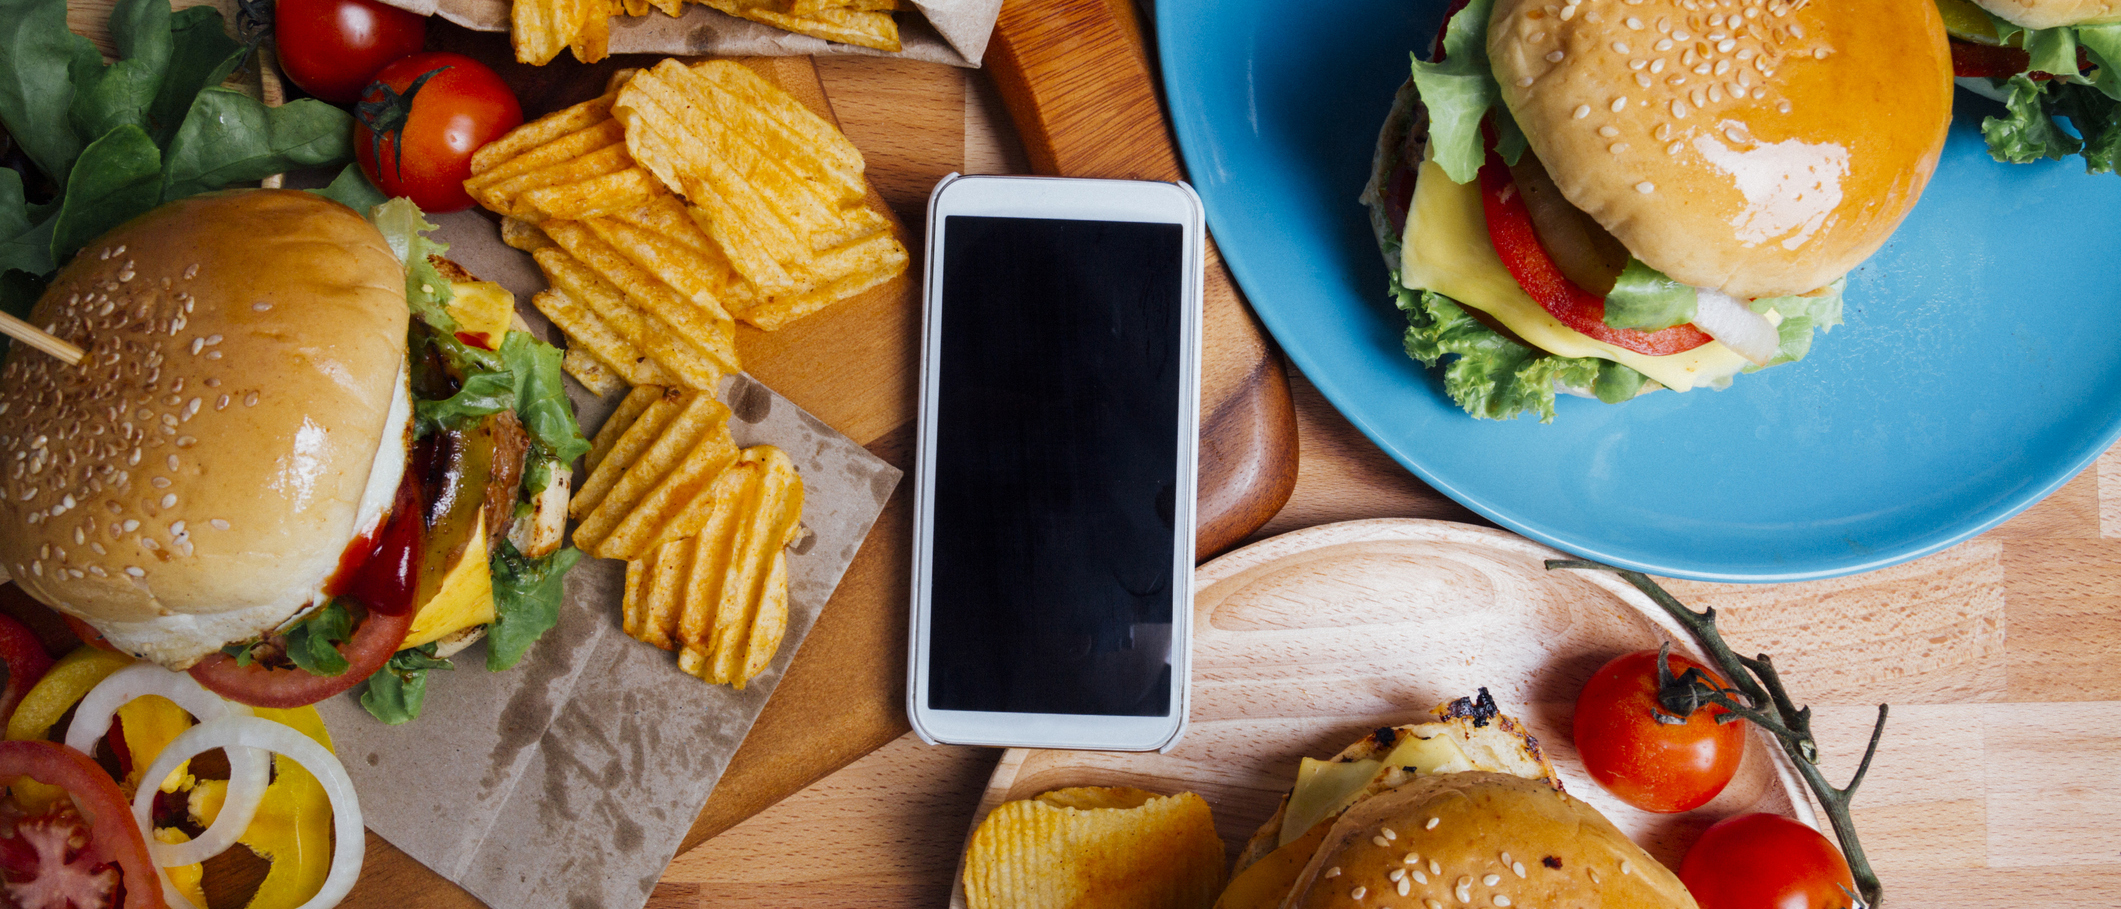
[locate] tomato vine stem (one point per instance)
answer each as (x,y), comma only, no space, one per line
(1761,698)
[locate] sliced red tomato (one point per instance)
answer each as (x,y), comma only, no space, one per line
(1634,748)
(26,663)
(85,852)
(375,637)
(89,635)
(1988,60)
(1517,242)
(1766,861)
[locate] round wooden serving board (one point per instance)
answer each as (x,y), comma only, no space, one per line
(1304,642)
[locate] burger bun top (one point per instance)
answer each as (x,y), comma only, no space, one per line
(1482,839)
(1758,148)
(195,480)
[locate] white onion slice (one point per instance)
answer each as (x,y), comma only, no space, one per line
(1727,319)
(248,770)
(252,732)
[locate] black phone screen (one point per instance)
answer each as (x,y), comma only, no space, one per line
(1056,462)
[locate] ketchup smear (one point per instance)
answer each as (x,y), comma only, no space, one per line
(382,569)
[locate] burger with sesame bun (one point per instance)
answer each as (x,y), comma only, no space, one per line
(1606,197)
(1464,810)
(2047,61)
(302,451)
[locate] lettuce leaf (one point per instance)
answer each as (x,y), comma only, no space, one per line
(526,601)
(1493,377)
(1645,298)
(1460,91)
(406,228)
(398,692)
(1800,316)
(541,398)
(2031,129)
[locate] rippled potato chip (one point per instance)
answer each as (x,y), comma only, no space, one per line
(1096,848)
(872,28)
(539,29)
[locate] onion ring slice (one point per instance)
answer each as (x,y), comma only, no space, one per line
(248,770)
(252,732)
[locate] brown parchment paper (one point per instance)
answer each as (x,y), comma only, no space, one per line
(568,780)
(953,32)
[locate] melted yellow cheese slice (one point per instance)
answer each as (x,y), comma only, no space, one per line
(482,309)
(1446,249)
(465,599)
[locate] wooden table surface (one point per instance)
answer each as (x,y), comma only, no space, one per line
(2001,656)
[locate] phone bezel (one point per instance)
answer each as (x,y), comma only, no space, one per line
(1066,199)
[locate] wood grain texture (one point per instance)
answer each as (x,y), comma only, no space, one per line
(1992,787)
(1076,79)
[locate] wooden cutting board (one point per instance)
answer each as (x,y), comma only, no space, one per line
(1305,642)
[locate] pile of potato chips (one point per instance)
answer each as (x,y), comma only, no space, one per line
(541,28)
(684,198)
(1096,848)
(702,525)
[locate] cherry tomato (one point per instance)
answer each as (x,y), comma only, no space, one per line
(375,638)
(1653,765)
(420,121)
(82,851)
(332,48)
(1766,861)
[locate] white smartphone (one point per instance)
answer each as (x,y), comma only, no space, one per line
(1059,411)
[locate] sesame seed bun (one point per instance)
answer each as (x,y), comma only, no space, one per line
(2052,13)
(1761,148)
(240,417)
(1482,839)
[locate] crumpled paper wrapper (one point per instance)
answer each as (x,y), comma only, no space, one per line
(569,780)
(953,32)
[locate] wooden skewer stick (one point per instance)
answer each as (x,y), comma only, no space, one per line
(40,339)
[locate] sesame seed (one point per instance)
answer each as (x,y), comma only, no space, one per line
(1594,876)
(1524,82)
(1617,147)
(1682,36)
(1627,867)
(260,306)
(1657,65)
(1404,887)
(1634,23)
(1554,57)
(218,524)
(1620,47)
(1608,131)
(135,571)
(1431,825)
(1491,880)
(1419,877)
(1359,892)
(1397,874)
(1734,135)
(1333,872)
(1645,187)
(1620,104)
(1679,109)
(169,500)
(1380,841)
(1431,904)
(1582,111)
(1822,53)
(176,528)
(149,544)
(1501,900)
(1518,868)
(1464,890)
(1435,867)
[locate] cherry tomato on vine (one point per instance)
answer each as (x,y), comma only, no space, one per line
(333,48)
(1651,763)
(1766,861)
(420,121)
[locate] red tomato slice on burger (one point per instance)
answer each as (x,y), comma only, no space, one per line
(1517,243)
(375,638)
(85,852)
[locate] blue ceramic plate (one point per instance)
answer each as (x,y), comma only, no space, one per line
(1979,369)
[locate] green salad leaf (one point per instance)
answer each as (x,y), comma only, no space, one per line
(313,643)
(1801,315)
(1494,377)
(117,178)
(38,59)
(1644,298)
(526,601)
(541,399)
(398,692)
(352,189)
(230,137)
(1460,91)
(2032,128)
